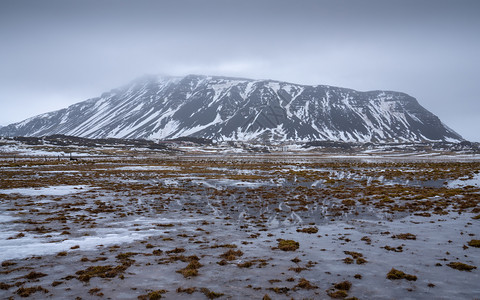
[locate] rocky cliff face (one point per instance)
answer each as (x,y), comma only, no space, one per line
(223,108)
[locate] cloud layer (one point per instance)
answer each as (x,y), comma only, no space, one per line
(56,53)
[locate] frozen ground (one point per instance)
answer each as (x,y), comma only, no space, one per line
(203,227)
(59,190)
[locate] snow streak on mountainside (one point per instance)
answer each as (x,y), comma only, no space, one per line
(223,108)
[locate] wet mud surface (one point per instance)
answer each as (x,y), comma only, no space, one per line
(205,227)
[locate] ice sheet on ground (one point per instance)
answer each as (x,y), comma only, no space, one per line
(148,168)
(120,232)
(475,181)
(62,171)
(228,182)
(58,190)
(7,218)
(31,151)
(25,247)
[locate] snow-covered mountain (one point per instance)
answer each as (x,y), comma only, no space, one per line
(221,108)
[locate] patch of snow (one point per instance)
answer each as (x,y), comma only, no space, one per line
(7,218)
(475,181)
(116,233)
(59,190)
(148,168)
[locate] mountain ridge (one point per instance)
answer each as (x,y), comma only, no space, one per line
(229,108)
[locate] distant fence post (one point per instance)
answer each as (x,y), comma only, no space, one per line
(72,158)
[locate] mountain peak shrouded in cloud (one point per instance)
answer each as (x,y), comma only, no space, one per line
(226,108)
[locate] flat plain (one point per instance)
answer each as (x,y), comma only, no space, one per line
(233,226)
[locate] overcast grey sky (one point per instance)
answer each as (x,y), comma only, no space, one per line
(56,53)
